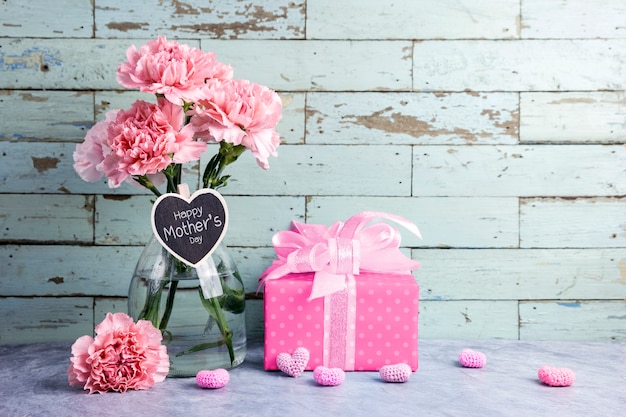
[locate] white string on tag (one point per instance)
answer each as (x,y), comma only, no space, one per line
(183,189)
(209,279)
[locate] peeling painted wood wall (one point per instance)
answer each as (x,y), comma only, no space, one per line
(498,126)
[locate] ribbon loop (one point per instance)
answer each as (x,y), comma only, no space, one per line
(337,253)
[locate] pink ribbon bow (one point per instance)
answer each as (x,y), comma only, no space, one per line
(342,250)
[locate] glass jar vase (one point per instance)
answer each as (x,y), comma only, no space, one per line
(199,333)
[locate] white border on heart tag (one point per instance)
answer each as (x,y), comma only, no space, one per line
(182,190)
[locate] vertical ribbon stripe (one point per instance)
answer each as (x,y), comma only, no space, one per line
(340,327)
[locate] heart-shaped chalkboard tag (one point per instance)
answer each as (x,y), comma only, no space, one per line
(190,229)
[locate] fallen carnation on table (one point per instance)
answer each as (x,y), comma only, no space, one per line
(123,356)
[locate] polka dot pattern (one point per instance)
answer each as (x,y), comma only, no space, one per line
(385,321)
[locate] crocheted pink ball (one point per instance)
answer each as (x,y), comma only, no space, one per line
(328,376)
(556,377)
(213,379)
(400,372)
(472,359)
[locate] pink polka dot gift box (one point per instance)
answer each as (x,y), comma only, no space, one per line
(345,293)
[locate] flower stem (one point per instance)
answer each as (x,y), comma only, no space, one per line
(169,304)
(144,181)
(150,309)
(224,329)
(203,346)
(227,154)
(177,268)
(214,308)
(173,173)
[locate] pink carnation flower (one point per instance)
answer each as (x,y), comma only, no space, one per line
(143,140)
(89,154)
(124,355)
(166,67)
(241,113)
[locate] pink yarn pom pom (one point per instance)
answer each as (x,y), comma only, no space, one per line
(400,372)
(472,359)
(328,376)
(556,377)
(213,379)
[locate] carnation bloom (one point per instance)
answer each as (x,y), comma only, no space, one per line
(124,355)
(166,67)
(89,154)
(143,140)
(241,113)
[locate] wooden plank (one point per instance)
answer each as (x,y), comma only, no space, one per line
(573,320)
(45,319)
(46,218)
(444,222)
(123,220)
(409,19)
(254,314)
(520,65)
(526,274)
(224,19)
(303,65)
(112,100)
(38,168)
(255,327)
(319,65)
(59,115)
(74,64)
(253,220)
(48,64)
(468,319)
(572,223)
(325,170)
(290,127)
(48,167)
(104,305)
(60,270)
(412,118)
(81,270)
(573,117)
(251,262)
(529,170)
(573,19)
(33,19)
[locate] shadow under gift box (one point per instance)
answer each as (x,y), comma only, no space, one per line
(373,325)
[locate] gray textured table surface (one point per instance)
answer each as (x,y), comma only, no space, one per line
(33,382)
